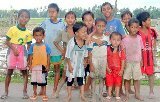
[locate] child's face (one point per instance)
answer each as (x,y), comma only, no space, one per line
(70,19)
(23,18)
(107,11)
(100,27)
(38,36)
(126,18)
(115,40)
(89,21)
(133,29)
(52,12)
(147,23)
(82,33)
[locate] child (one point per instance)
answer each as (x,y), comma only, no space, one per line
(52,26)
(113,24)
(39,63)
(149,43)
(97,57)
(75,56)
(64,37)
(125,17)
(17,37)
(133,45)
(116,61)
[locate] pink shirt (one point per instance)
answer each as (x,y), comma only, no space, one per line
(133,46)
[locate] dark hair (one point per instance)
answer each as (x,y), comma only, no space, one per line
(70,13)
(77,26)
(115,33)
(142,17)
(54,5)
(23,10)
(132,20)
(100,19)
(87,13)
(106,3)
(38,29)
(126,12)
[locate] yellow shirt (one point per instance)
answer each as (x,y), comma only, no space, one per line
(18,36)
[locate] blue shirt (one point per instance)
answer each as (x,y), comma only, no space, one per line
(51,33)
(114,25)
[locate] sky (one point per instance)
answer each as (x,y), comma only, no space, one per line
(66,4)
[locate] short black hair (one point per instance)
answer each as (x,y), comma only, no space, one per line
(87,13)
(100,19)
(115,33)
(23,10)
(126,12)
(77,26)
(54,5)
(142,17)
(38,29)
(132,20)
(70,12)
(106,3)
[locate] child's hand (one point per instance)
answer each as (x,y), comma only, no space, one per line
(99,42)
(63,55)
(141,63)
(92,68)
(89,39)
(108,70)
(47,69)
(70,69)
(15,51)
(120,73)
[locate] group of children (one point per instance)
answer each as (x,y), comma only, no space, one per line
(105,49)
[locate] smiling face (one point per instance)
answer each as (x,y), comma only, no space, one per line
(23,18)
(89,21)
(107,10)
(52,12)
(70,19)
(126,18)
(82,33)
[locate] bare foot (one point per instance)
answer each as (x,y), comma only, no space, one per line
(83,99)
(69,99)
(139,98)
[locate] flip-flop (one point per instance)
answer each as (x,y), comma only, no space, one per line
(4,96)
(45,98)
(25,95)
(34,97)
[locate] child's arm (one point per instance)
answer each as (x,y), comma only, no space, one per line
(60,48)
(70,68)
(30,61)
(90,62)
(48,63)
(123,57)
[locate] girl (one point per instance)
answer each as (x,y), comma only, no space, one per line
(75,55)
(116,62)
(17,37)
(149,42)
(97,58)
(113,24)
(133,45)
(65,36)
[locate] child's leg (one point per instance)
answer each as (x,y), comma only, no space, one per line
(34,96)
(56,76)
(7,81)
(130,90)
(93,84)
(127,88)
(117,89)
(151,83)
(88,83)
(82,93)
(25,78)
(137,90)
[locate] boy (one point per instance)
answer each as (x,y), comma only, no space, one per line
(52,26)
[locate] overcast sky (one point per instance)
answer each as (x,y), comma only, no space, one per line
(66,4)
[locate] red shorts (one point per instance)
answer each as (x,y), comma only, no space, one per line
(113,80)
(147,70)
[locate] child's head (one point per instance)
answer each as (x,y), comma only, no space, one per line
(38,34)
(100,25)
(70,18)
(126,16)
(53,10)
(107,9)
(23,17)
(144,19)
(133,26)
(115,39)
(88,19)
(80,29)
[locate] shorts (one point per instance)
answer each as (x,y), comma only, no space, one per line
(39,76)
(56,60)
(132,71)
(113,79)
(87,71)
(100,67)
(80,81)
(149,70)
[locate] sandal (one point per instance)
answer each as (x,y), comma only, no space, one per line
(25,95)
(5,96)
(45,98)
(108,99)
(104,94)
(34,97)
(118,99)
